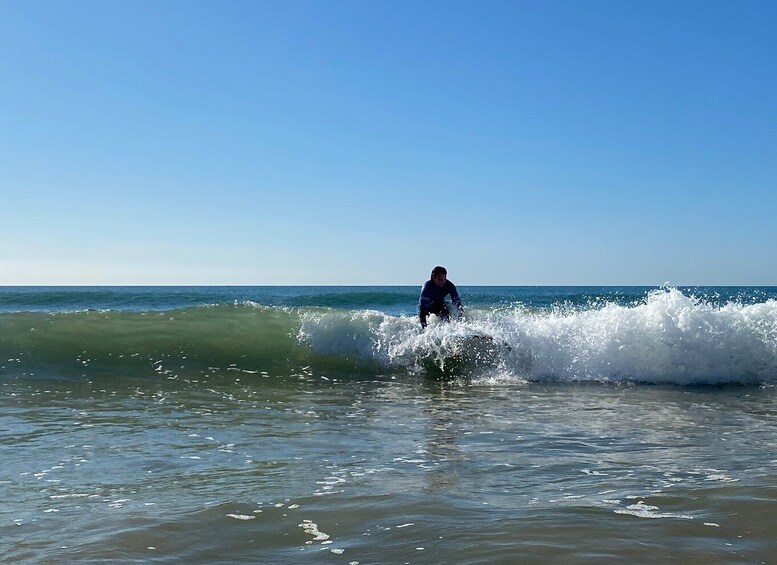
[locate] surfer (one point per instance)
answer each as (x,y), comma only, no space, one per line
(433,293)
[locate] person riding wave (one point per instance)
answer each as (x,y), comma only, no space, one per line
(433,293)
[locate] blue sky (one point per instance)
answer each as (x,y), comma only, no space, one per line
(182,142)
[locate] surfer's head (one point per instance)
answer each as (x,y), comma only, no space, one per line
(439,275)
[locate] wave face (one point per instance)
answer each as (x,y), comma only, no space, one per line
(186,341)
(668,337)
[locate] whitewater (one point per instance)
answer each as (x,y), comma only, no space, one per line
(670,338)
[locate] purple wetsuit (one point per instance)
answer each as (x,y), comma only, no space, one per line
(432,300)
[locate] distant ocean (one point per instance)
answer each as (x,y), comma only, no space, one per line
(321,425)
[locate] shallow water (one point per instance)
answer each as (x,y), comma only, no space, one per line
(389,469)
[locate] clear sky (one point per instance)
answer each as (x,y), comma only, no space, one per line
(364,142)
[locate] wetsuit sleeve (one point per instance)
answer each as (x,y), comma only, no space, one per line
(423,307)
(426,300)
(455,298)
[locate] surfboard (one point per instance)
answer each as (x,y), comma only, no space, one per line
(471,354)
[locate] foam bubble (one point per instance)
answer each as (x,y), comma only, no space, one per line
(241,517)
(642,510)
(311,528)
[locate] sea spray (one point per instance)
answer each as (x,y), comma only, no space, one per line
(671,337)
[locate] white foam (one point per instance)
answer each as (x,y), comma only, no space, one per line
(642,510)
(669,338)
(311,528)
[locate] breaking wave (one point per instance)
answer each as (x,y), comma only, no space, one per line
(669,337)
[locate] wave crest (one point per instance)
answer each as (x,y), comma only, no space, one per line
(669,338)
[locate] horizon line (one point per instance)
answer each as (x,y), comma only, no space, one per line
(382,285)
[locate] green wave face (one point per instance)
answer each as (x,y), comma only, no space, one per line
(246,338)
(190,339)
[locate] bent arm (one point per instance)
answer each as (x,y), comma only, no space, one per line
(456,299)
(422,314)
(427,298)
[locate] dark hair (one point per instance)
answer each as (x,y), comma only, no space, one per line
(438,271)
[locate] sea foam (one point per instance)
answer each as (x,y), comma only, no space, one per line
(670,337)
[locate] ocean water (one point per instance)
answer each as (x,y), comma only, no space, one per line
(321,425)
